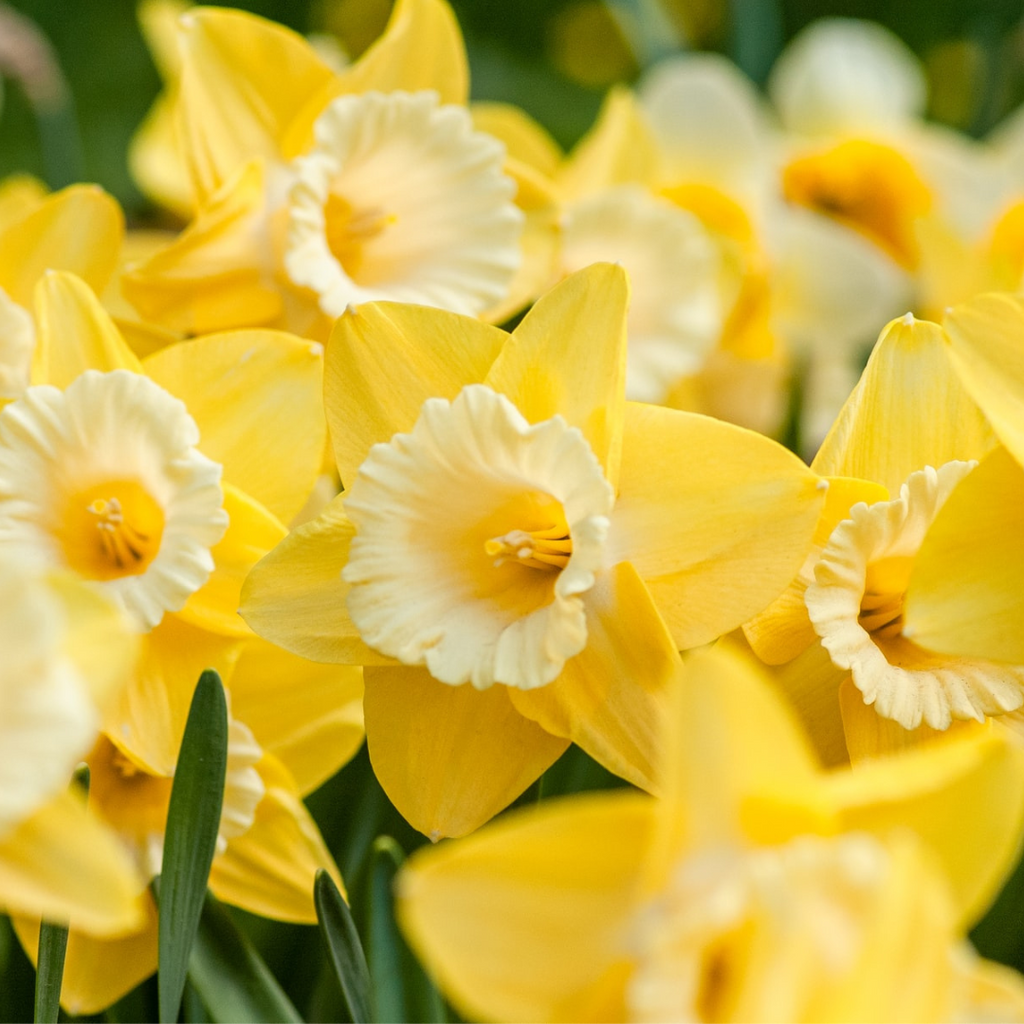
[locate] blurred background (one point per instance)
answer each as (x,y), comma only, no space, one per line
(74,93)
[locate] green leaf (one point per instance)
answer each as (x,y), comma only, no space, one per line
(229,975)
(344,947)
(193,820)
(53,943)
(399,989)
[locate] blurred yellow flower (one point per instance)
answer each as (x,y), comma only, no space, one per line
(758,888)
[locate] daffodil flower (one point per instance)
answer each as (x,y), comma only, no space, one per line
(320,189)
(864,675)
(67,652)
(758,888)
(162,480)
(511,523)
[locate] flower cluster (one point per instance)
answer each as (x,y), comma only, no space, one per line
(421,430)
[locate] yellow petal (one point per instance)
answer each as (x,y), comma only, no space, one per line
(148,719)
(385,359)
(20,194)
(421,48)
(811,683)
(75,333)
(213,276)
(715,533)
(295,596)
(524,138)
(984,340)
(611,699)
(530,919)
(964,596)
(541,370)
(97,972)
(619,149)
(255,396)
(736,761)
(252,532)
(270,868)
(909,381)
(783,630)
(78,229)
(450,757)
(62,864)
(243,80)
(157,163)
(951,792)
(312,737)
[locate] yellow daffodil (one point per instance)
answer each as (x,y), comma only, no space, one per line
(268,847)
(78,229)
(862,674)
(67,652)
(319,189)
(963,594)
(758,888)
(162,480)
(511,523)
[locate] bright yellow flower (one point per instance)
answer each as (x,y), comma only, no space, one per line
(758,888)
(319,189)
(511,522)
(862,672)
(164,481)
(67,652)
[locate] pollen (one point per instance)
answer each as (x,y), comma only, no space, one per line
(112,530)
(539,549)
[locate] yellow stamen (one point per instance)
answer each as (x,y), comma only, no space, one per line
(112,530)
(538,549)
(348,230)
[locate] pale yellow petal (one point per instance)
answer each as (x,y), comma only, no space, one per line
(562,884)
(97,972)
(148,719)
(252,532)
(962,794)
(385,359)
(78,229)
(619,149)
(716,519)
(243,80)
(909,381)
(313,737)
(214,276)
(783,630)
(90,881)
(964,596)
(75,333)
(270,869)
(295,596)
(450,757)
(611,700)
(541,370)
(524,138)
(255,396)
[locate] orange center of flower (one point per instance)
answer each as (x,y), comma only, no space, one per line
(549,549)
(881,607)
(716,211)
(349,229)
(869,187)
(112,530)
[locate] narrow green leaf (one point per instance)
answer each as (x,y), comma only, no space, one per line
(193,820)
(344,947)
(400,991)
(53,943)
(229,975)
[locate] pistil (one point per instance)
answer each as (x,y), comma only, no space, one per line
(538,549)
